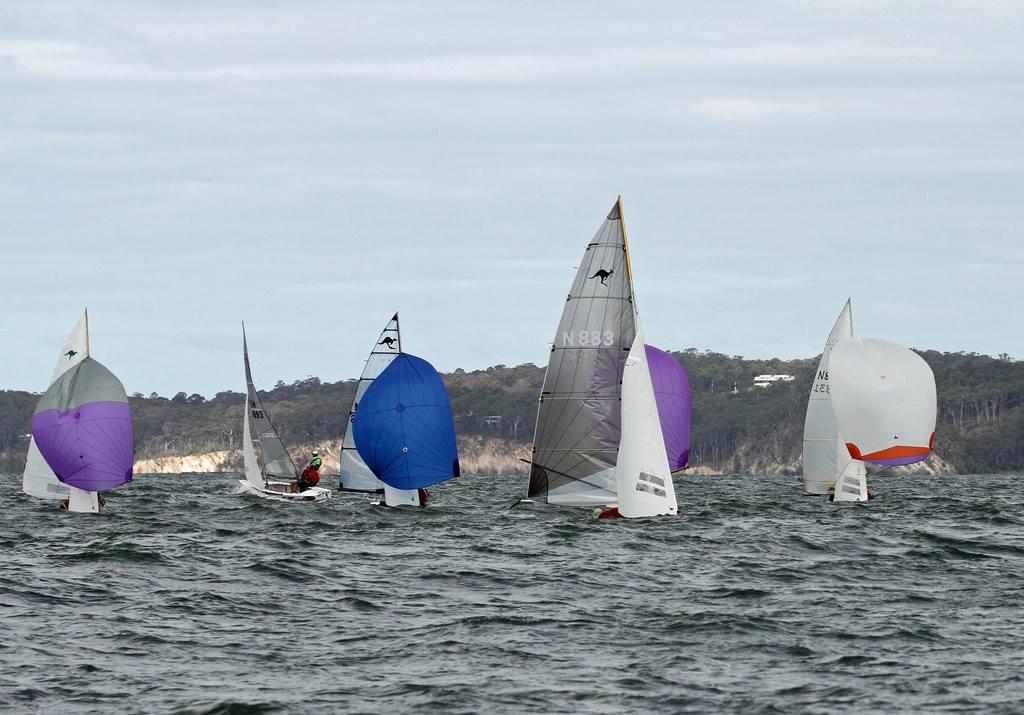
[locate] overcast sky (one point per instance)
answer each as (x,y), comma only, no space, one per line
(313,167)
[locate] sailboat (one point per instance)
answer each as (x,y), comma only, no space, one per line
(82,433)
(269,470)
(404,428)
(355,475)
(599,440)
(883,408)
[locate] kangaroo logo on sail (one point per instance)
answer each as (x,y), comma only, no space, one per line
(603,275)
(389,342)
(71,354)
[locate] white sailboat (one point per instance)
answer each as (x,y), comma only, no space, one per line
(38,480)
(269,470)
(872,402)
(355,475)
(599,440)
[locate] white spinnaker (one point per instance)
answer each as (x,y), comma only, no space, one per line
(825,452)
(355,475)
(884,398)
(38,479)
(852,483)
(642,475)
(249,458)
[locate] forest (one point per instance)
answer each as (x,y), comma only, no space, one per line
(737,428)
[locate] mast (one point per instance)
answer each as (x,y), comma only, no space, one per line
(88,350)
(629,264)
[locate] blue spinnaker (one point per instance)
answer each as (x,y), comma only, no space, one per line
(403,426)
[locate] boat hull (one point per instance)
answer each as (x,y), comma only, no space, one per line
(277,491)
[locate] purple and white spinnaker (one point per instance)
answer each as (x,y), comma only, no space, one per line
(83,428)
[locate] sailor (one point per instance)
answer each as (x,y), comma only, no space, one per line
(310,476)
(423,495)
(315,463)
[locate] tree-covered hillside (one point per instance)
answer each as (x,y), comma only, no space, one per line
(737,427)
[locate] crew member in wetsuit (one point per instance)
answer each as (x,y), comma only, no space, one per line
(310,476)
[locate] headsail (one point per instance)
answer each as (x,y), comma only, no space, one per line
(675,405)
(38,479)
(404,428)
(355,475)
(825,455)
(576,442)
(885,402)
(83,428)
(643,478)
(275,461)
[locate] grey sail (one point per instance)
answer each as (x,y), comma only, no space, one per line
(272,455)
(355,475)
(576,443)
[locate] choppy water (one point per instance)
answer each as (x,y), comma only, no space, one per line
(187,597)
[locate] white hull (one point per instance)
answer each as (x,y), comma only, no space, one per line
(279,491)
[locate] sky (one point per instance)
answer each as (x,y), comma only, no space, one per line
(312,167)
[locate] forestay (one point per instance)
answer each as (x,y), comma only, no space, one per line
(824,454)
(884,399)
(274,458)
(38,479)
(576,442)
(675,405)
(83,428)
(355,475)
(643,478)
(404,428)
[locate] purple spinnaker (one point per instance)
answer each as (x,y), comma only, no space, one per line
(675,406)
(83,428)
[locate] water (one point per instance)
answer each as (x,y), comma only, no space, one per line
(187,597)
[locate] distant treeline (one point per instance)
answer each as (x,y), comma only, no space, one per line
(737,427)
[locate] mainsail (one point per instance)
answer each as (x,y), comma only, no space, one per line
(38,479)
(825,454)
(643,478)
(404,428)
(355,475)
(575,446)
(83,428)
(675,405)
(885,402)
(273,458)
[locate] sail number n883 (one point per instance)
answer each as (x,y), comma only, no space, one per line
(588,338)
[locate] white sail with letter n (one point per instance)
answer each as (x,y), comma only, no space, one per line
(825,455)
